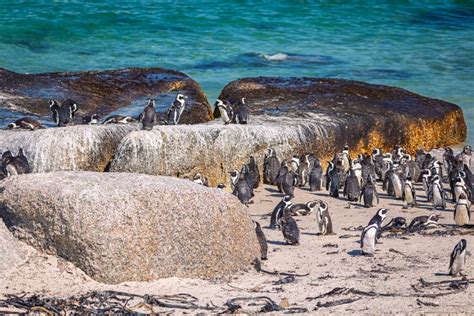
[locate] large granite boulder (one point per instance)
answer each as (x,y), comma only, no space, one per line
(103,92)
(12,251)
(120,227)
(80,147)
(294,115)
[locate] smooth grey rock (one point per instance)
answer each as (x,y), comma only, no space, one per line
(12,251)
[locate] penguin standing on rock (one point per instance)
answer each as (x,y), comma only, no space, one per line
(90,119)
(324,219)
(278,211)
(118,119)
(15,165)
(175,110)
(262,240)
(271,167)
(241,113)
(25,123)
(149,116)
(200,179)
(63,114)
(462,211)
(290,229)
(457,261)
(226,111)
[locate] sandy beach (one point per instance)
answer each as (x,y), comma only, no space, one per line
(321,263)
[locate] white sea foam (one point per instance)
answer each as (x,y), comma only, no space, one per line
(275,57)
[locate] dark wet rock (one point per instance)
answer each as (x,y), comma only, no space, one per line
(294,116)
(103,92)
(120,227)
(81,147)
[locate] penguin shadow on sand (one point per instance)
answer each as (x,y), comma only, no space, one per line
(272,190)
(277,242)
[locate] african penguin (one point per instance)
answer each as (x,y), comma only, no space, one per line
(368,239)
(352,186)
(460,188)
(289,228)
(346,159)
(316,177)
(421,222)
(90,119)
(333,184)
(294,163)
(234,178)
(254,172)
(118,119)
(262,240)
(466,156)
(448,160)
(277,213)
(149,116)
(242,190)
(324,219)
(409,194)
(302,171)
(175,110)
(395,225)
(462,211)
(241,113)
(200,179)
(15,165)
(63,114)
(436,193)
(369,194)
(457,261)
(303,208)
(25,123)
(226,111)
(248,177)
(271,167)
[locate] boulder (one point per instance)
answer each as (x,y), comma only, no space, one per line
(12,251)
(120,227)
(294,116)
(80,147)
(103,92)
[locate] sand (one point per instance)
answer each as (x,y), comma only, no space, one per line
(330,262)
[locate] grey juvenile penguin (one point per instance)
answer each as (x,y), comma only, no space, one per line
(369,194)
(149,116)
(351,186)
(271,167)
(241,113)
(290,229)
(262,240)
(316,177)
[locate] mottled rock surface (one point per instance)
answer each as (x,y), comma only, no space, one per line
(294,116)
(80,147)
(103,91)
(12,251)
(120,227)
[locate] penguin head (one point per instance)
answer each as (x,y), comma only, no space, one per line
(234,175)
(151,103)
(311,205)
(376,151)
(95,116)
(180,97)
(242,101)
(221,186)
(434,217)
(323,206)
(12,126)
(408,178)
(220,104)
(53,103)
(245,169)
(467,149)
(7,157)
(286,199)
(382,212)
(449,150)
(257,224)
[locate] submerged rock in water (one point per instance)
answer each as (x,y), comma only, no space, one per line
(294,116)
(103,92)
(121,227)
(81,147)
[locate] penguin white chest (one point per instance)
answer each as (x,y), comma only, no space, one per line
(458,264)
(368,243)
(224,115)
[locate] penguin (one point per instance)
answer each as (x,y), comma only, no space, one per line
(379,217)
(287,181)
(316,177)
(271,167)
(234,178)
(368,239)
(118,119)
(387,184)
(149,116)
(409,194)
(262,240)
(395,225)
(15,165)
(462,211)
(398,153)
(200,179)
(90,119)
(175,110)
(221,186)
(302,171)
(241,113)
(420,155)
(466,156)
(448,160)
(410,167)
(294,163)
(63,114)
(426,181)
(367,168)
(277,213)
(436,193)
(357,167)
(369,193)
(324,219)
(25,123)
(24,161)
(242,190)
(351,186)
(248,177)
(333,184)
(226,111)
(377,158)
(461,188)
(346,164)
(303,208)
(254,172)
(289,228)
(395,178)
(457,261)
(421,222)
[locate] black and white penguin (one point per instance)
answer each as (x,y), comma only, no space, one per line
(148,117)
(234,178)
(262,240)
(118,119)
(420,155)
(242,190)
(15,165)
(460,187)
(377,158)
(175,110)
(249,177)
(426,182)
(200,179)
(289,228)
(286,180)
(346,160)
(409,194)
(90,119)
(302,171)
(357,167)
(294,163)
(63,114)
(398,153)
(387,184)
(221,186)
(448,160)
(324,219)
(422,222)
(397,182)
(277,213)
(462,211)
(241,113)
(457,261)
(333,184)
(303,208)
(395,225)
(226,111)
(254,172)
(351,186)
(369,194)
(25,123)
(368,239)
(316,177)
(436,193)
(271,167)
(379,217)
(466,156)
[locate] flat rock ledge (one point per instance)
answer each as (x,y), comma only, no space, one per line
(294,116)
(75,148)
(120,227)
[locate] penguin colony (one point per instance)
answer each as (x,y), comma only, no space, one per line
(354,178)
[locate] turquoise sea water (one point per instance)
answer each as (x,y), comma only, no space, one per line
(426,48)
